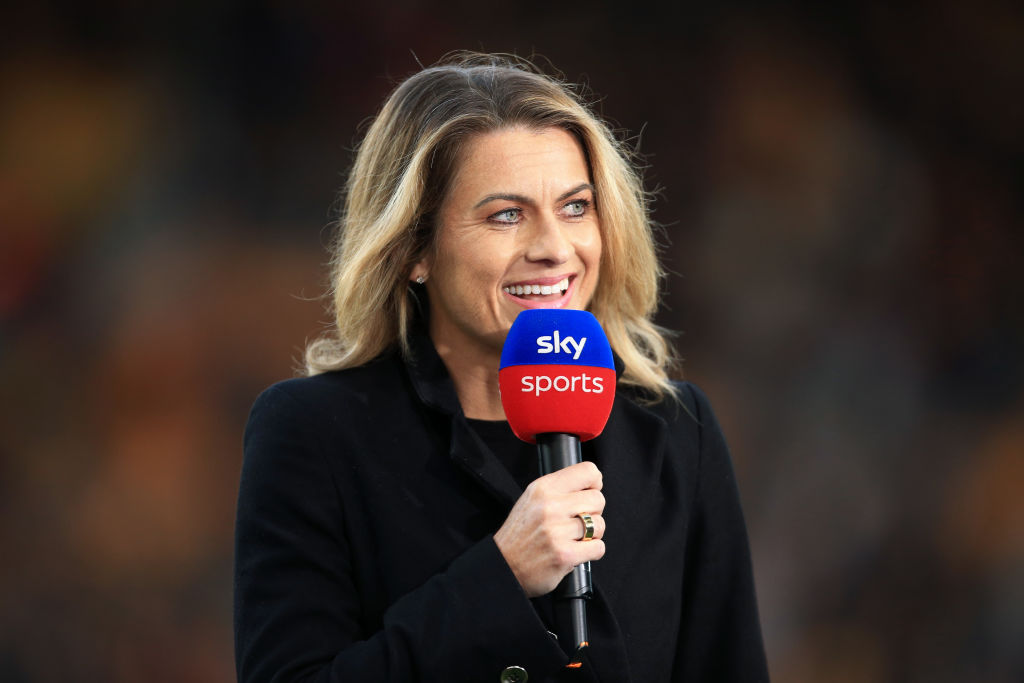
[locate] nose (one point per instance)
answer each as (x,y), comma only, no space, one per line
(548,242)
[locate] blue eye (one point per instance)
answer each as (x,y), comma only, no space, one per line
(507,216)
(576,208)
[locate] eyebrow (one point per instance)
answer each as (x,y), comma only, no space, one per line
(522,199)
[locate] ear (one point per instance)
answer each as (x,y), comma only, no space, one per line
(420,271)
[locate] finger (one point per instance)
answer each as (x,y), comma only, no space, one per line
(588,501)
(578,477)
(585,552)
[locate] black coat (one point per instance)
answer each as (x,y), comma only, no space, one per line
(365,550)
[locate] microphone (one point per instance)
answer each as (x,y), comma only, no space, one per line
(557,383)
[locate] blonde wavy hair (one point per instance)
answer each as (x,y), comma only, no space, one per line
(400,177)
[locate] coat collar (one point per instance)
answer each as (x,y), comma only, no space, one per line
(429,376)
(434,387)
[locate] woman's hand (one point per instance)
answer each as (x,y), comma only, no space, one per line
(540,540)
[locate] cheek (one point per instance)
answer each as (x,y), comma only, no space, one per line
(590,249)
(592,261)
(478,277)
(472,281)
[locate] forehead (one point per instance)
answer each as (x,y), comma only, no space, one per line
(520,160)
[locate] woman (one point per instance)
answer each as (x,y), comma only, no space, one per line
(390,527)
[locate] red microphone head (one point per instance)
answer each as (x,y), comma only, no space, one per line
(557,374)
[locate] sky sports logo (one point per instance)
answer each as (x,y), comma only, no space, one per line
(557,374)
(556,343)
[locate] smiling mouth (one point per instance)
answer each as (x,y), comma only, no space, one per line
(527,290)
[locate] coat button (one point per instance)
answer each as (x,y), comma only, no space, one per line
(514,674)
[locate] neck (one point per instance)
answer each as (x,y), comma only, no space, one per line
(475,377)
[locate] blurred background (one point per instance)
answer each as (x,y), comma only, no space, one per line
(841,193)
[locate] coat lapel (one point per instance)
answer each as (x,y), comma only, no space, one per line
(469,452)
(434,386)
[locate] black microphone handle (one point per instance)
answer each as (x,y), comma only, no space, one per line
(558,451)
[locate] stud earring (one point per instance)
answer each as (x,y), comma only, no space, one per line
(420,279)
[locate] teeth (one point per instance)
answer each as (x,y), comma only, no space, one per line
(519,290)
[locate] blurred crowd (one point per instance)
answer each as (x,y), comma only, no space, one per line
(840,199)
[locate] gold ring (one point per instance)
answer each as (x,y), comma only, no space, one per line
(588,526)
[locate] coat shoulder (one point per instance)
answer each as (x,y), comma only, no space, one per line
(686,410)
(382,376)
(333,401)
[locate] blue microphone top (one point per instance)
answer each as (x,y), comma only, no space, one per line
(556,336)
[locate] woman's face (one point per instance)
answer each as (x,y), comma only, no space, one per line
(518,229)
